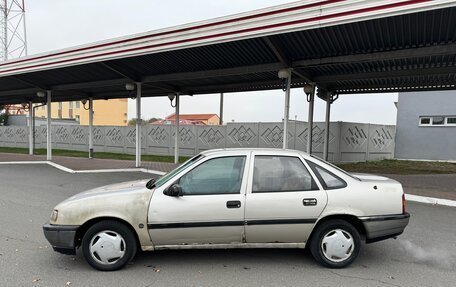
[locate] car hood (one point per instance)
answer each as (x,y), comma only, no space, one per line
(112,189)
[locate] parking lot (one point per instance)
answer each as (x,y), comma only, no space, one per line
(425,255)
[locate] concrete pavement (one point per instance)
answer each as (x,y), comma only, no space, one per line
(425,255)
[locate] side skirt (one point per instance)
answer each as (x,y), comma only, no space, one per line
(230,246)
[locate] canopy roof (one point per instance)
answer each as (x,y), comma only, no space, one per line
(353,46)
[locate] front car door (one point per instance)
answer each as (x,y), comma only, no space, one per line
(211,209)
(283,200)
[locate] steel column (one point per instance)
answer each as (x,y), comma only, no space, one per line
(91,127)
(221,109)
(49,127)
(310,122)
(176,137)
(286,113)
(327,125)
(138,124)
(30,124)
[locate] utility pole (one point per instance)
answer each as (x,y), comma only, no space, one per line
(13,36)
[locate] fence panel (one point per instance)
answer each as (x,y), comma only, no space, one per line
(348,141)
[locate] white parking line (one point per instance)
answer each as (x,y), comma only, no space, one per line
(65,169)
(430,200)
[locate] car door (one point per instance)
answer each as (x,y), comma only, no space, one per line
(283,200)
(211,208)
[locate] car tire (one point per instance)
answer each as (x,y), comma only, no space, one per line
(335,243)
(109,245)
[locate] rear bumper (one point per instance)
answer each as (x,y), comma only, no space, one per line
(384,226)
(61,237)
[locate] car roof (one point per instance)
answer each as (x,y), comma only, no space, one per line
(216,152)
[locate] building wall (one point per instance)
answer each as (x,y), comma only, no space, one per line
(215,120)
(425,142)
(106,113)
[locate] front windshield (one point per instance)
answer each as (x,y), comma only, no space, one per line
(169,175)
(334,166)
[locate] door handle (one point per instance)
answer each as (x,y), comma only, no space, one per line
(233,204)
(309,201)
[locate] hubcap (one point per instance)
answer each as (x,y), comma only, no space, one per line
(337,245)
(107,247)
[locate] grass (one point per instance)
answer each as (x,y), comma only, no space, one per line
(389,166)
(101,155)
(386,166)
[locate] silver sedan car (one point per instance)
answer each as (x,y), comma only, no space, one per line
(233,198)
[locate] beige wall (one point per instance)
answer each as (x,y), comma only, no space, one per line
(106,113)
(215,120)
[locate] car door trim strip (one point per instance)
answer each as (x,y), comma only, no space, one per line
(230,223)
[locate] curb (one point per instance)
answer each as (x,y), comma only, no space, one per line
(430,200)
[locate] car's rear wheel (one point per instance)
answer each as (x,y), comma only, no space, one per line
(335,243)
(108,245)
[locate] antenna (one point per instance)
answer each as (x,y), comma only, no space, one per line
(13,36)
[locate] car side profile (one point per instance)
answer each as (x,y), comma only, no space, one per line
(233,198)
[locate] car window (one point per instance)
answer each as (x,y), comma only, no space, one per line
(327,178)
(334,166)
(183,166)
(214,176)
(281,174)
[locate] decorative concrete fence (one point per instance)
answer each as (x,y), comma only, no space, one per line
(348,141)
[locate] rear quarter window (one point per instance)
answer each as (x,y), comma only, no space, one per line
(328,179)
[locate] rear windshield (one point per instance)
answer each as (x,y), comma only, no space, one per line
(334,166)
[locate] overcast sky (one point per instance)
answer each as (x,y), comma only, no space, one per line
(56,24)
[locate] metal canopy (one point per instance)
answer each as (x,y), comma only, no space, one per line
(342,46)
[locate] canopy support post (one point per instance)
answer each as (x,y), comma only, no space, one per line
(221,109)
(30,123)
(138,124)
(90,127)
(285,75)
(49,126)
(176,138)
(310,121)
(327,125)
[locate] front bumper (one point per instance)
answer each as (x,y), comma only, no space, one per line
(384,226)
(61,237)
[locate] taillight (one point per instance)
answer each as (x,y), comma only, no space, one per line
(404,205)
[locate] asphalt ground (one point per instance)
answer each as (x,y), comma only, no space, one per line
(425,255)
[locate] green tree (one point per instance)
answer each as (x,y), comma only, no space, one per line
(132,122)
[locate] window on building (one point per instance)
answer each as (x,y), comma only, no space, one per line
(425,121)
(70,110)
(60,110)
(78,104)
(437,121)
(451,121)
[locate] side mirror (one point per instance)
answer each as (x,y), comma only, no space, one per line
(174,190)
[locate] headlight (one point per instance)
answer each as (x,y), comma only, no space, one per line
(54,215)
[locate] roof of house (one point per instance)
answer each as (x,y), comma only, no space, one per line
(192,117)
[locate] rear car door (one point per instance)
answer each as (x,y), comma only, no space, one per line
(283,200)
(211,209)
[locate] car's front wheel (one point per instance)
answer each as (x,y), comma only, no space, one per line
(108,245)
(335,243)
